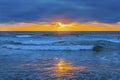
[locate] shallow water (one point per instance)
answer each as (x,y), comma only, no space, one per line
(57,64)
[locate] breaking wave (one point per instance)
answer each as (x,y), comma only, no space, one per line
(47,47)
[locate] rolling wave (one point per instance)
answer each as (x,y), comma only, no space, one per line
(46,41)
(59,42)
(47,47)
(23,36)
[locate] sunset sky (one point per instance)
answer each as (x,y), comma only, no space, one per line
(59,15)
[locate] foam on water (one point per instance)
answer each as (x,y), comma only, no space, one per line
(47,47)
(36,42)
(23,36)
(54,42)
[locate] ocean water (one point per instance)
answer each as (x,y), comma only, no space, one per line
(60,55)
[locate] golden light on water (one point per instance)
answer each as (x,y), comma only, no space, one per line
(64,68)
(54,67)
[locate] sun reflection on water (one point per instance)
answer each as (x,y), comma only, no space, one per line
(64,68)
(56,67)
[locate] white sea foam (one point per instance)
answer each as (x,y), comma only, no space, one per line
(46,47)
(37,42)
(23,36)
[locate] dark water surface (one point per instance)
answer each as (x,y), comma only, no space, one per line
(59,56)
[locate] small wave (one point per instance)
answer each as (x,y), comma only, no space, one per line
(23,36)
(109,40)
(59,42)
(37,42)
(47,47)
(114,41)
(31,42)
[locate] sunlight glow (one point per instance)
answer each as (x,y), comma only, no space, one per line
(62,68)
(60,26)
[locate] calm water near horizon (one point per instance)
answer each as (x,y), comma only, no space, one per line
(59,55)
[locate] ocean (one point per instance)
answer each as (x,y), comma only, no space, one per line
(59,55)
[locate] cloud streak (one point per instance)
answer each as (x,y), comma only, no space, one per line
(42,10)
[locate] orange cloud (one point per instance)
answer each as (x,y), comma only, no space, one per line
(60,26)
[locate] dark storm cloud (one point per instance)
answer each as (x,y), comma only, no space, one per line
(39,10)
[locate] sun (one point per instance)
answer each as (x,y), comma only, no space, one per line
(62,25)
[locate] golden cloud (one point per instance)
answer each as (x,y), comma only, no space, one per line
(60,26)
